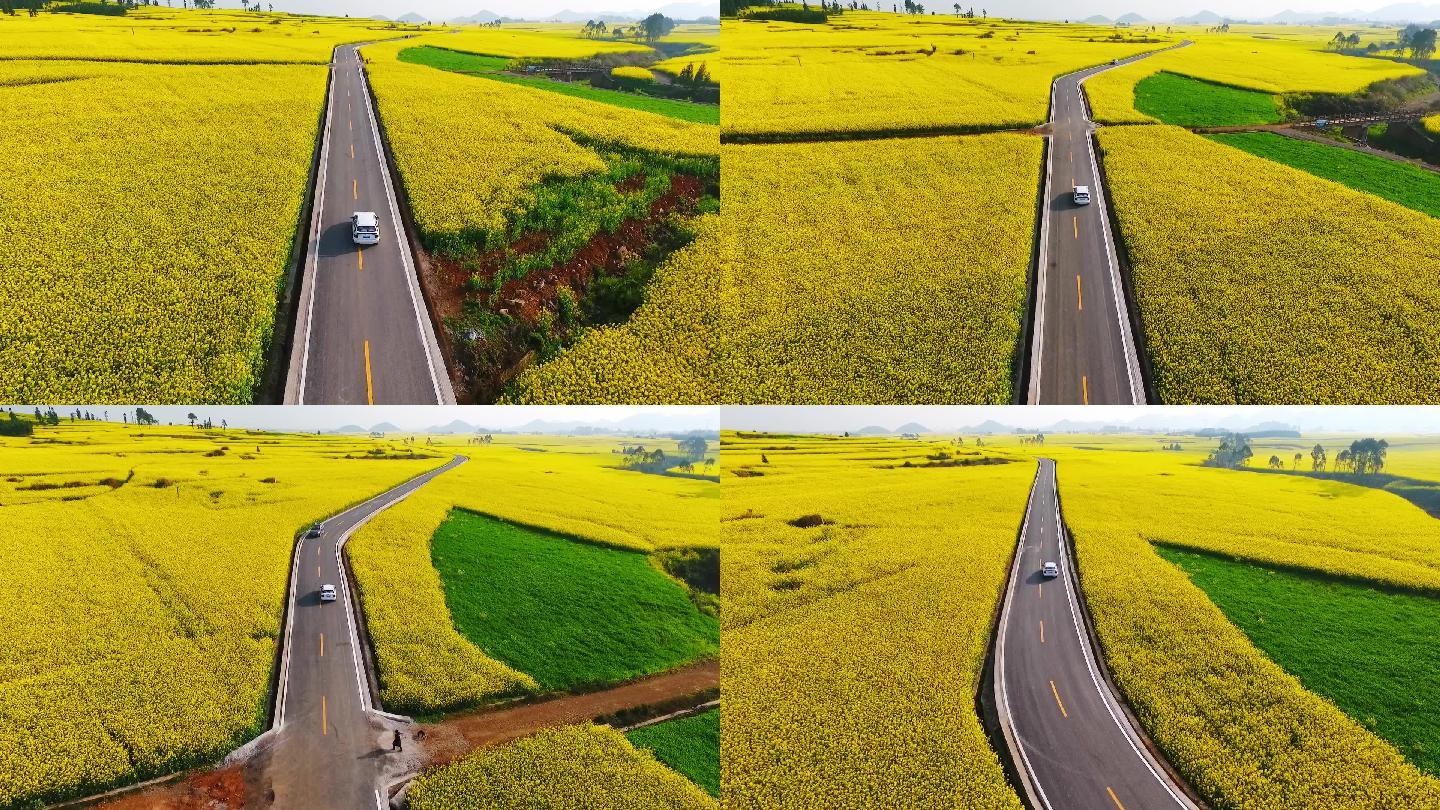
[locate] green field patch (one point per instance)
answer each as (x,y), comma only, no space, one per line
(571,614)
(1371,652)
(1187,102)
(492,67)
(1403,183)
(690,745)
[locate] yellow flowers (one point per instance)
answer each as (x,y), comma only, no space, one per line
(1259,283)
(667,352)
(1240,729)
(1260,61)
(868,72)
(424,664)
(877,271)
(632,72)
(853,648)
(130,647)
(569,768)
(144,236)
(1432,124)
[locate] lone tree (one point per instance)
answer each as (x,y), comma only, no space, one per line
(1234,451)
(656,26)
(694,446)
(1317,458)
(1276,463)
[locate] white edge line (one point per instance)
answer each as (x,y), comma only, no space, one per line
(1042,260)
(1105,695)
(1127,342)
(285,651)
(380,802)
(308,283)
(1028,775)
(422,321)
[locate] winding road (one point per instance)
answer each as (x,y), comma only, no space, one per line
(363,334)
(329,747)
(1082,351)
(1070,738)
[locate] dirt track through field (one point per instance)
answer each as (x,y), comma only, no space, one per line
(452,738)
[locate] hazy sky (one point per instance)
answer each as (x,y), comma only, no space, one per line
(329,417)
(439,10)
(1171,417)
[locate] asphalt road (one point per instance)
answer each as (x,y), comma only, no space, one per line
(1067,733)
(362,332)
(331,746)
(1082,351)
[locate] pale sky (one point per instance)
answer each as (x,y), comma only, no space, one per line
(836,419)
(498,417)
(438,10)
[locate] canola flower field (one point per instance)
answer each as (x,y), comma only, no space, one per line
(1242,731)
(1260,283)
(869,72)
(1267,59)
(879,288)
(568,768)
(147,273)
(871,617)
(1432,124)
(159,659)
(424,664)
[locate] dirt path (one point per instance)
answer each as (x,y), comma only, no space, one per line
(1289,131)
(452,738)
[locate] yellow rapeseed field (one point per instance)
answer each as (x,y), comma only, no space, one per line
(706,42)
(465,171)
(1242,731)
(130,648)
(1432,124)
(1261,283)
(146,216)
(669,349)
(873,72)
(568,768)
(876,271)
(424,663)
(853,648)
(162,34)
(1249,57)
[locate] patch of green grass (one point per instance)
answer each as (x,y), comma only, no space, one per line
(1372,652)
(690,745)
(1397,182)
(490,67)
(571,614)
(1187,102)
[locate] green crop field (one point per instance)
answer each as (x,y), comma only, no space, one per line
(570,614)
(690,745)
(491,67)
(1410,186)
(1176,99)
(1371,652)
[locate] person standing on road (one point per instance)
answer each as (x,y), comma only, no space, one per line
(395,744)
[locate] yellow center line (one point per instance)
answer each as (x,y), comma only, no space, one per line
(1114,798)
(355,188)
(1058,702)
(322,645)
(361,254)
(1075,220)
(1080,296)
(1042,633)
(1085,389)
(324,718)
(369,387)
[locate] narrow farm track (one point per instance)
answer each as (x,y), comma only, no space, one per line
(362,331)
(1069,736)
(1082,351)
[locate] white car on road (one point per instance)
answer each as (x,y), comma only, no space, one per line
(364,228)
(1050,570)
(1081,195)
(327,593)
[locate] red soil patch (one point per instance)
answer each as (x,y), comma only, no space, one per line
(451,739)
(208,790)
(479,376)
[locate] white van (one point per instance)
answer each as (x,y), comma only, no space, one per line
(1081,195)
(327,593)
(364,228)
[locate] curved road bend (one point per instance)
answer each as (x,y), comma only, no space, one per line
(1082,351)
(1066,731)
(331,746)
(362,331)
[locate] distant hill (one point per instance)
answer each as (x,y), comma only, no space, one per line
(351,429)
(1129,19)
(411,17)
(913,427)
(384,427)
(1097,19)
(872,430)
(1202,18)
(675,11)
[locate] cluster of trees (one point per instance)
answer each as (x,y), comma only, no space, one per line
(1362,457)
(691,76)
(15,426)
(1038,438)
(32,7)
(1234,452)
(1420,42)
(969,13)
(486,439)
(1342,40)
(650,29)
